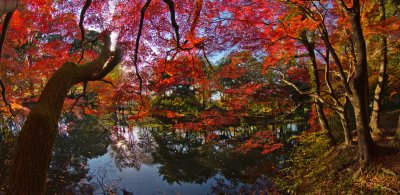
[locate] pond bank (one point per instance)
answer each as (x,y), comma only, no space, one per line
(316,168)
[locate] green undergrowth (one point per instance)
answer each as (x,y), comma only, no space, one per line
(316,168)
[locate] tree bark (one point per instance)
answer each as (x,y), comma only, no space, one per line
(348,140)
(35,142)
(374,123)
(7,6)
(359,86)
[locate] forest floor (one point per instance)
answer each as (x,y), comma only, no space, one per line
(317,168)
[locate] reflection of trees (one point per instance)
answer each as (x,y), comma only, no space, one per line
(245,168)
(260,186)
(99,177)
(131,148)
(71,152)
(182,158)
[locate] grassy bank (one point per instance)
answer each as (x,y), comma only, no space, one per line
(314,167)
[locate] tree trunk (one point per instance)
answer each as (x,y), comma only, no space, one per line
(374,123)
(35,142)
(323,122)
(345,124)
(359,86)
(7,6)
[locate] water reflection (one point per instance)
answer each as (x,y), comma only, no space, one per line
(101,156)
(131,148)
(183,158)
(73,148)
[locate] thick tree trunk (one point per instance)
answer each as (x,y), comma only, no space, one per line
(374,123)
(359,86)
(33,153)
(35,142)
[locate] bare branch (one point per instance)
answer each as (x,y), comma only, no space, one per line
(171,7)
(288,82)
(135,57)
(313,94)
(81,27)
(328,44)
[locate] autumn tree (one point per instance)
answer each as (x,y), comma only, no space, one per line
(40,128)
(43,119)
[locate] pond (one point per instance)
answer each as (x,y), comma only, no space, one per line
(93,158)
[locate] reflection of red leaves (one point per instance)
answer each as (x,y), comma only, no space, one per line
(264,140)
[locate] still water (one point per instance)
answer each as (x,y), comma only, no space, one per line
(90,157)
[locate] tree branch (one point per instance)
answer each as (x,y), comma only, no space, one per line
(343,5)
(135,55)
(6,22)
(289,113)
(81,27)
(171,7)
(4,29)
